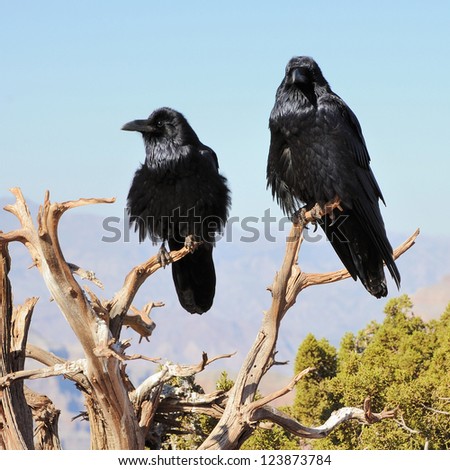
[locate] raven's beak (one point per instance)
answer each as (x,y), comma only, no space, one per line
(140,125)
(297,76)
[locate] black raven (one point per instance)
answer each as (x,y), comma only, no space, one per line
(178,196)
(317,154)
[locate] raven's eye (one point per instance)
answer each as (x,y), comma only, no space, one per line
(159,124)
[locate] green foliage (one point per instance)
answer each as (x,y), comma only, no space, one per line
(274,438)
(312,401)
(402,362)
(224,382)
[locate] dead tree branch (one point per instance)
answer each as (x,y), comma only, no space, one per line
(169,371)
(68,368)
(434,410)
(15,415)
(336,419)
(83,274)
(279,393)
(118,307)
(302,280)
(112,405)
(51,360)
(140,321)
(147,396)
(211,404)
(235,425)
(46,417)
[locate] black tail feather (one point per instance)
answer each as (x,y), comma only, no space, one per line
(194,277)
(361,255)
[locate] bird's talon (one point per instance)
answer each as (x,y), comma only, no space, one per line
(299,217)
(191,243)
(317,212)
(163,256)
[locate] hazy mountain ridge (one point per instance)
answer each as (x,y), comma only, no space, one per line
(244,271)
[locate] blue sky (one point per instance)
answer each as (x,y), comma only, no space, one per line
(73,72)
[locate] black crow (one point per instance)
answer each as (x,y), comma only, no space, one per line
(317,154)
(178,196)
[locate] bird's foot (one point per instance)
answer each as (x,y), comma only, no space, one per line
(316,213)
(163,256)
(191,243)
(303,217)
(329,208)
(299,217)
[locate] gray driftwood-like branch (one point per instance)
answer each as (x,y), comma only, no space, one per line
(336,419)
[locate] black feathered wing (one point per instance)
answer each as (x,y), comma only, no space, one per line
(142,204)
(279,166)
(368,246)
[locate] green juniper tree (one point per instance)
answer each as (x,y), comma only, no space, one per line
(402,362)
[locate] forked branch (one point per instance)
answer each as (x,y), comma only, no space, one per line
(121,302)
(241,412)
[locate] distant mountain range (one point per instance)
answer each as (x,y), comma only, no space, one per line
(244,270)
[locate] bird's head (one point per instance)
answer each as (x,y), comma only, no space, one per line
(164,123)
(304,73)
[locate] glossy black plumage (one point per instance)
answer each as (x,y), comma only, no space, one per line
(177,193)
(317,152)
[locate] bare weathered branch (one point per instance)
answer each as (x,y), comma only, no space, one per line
(434,410)
(371,417)
(97,305)
(304,280)
(123,299)
(149,406)
(16,426)
(42,356)
(402,424)
(20,324)
(176,370)
(140,321)
(46,417)
(337,418)
(109,392)
(277,394)
(89,275)
(142,392)
(50,360)
(230,432)
(211,404)
(68,368)
(169,371)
